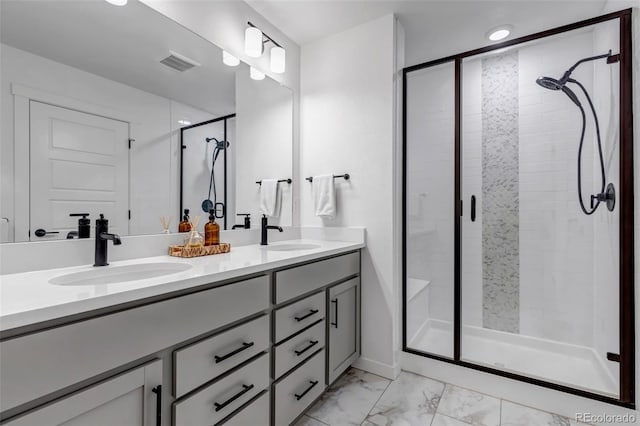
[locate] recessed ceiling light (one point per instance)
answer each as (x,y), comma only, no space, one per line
(184,122)
(117,2)
(499,33)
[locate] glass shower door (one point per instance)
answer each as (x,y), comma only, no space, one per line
(539,277)
(430,208)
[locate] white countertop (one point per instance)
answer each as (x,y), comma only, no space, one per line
(28,298)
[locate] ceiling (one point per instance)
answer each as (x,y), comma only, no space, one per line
(433,29)
(124,44)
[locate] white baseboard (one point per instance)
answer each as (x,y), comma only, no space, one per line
(385,370)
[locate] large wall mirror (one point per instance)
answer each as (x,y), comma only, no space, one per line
(123,112)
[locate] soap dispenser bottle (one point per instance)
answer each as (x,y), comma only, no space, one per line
(185,225)
(211,230)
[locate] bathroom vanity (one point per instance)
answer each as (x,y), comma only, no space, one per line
(252,337)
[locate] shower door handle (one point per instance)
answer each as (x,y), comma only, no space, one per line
(473,208)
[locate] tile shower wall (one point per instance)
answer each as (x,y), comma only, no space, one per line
(500,222)
(556,238)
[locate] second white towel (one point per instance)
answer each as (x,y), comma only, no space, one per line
(270,198)
(324,196)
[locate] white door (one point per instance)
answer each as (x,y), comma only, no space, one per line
(130,399)
(79,164)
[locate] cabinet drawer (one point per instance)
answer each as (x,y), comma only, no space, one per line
(294,282)
(299,389)
(299,315)
(37,364)
(295,350)
(209,358)
(215,402)
(256,414)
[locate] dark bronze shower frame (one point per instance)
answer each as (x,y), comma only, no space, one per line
(626,266)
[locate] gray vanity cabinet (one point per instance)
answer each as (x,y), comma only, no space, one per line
(129,399)
(343,316)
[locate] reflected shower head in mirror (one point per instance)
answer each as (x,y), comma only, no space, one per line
(208,204)
(608,195)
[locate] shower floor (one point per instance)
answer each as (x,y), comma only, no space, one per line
(571,365)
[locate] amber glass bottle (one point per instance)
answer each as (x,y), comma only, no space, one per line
(185,225)
(211,231)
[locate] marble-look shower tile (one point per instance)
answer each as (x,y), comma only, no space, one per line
(442,420)
(308,421)
(469,406)
(349,399)
(519,415)
(409,400)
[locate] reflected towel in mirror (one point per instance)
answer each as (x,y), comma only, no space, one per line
(270,198)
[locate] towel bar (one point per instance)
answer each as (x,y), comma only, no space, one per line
(259,182)
(345,176)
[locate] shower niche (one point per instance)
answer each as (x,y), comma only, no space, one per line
(518,209)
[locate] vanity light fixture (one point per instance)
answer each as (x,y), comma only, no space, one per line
(117,2)
(253,44)
(254,41)
(499,33)
(229,59)
(278,59)
(256,74)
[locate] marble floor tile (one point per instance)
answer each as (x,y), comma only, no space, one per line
(442,420)
(519,415)
(408,400)
(469,406)
(308,421)
(349,399)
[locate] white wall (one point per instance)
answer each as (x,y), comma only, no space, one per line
(264,143)
(152,163)
(347,126)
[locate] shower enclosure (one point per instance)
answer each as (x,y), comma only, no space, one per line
(506,269)
(207,169)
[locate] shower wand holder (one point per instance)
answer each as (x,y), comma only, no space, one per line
(609,197)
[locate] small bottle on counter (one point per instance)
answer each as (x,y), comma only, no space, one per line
(185,225)
(211,230)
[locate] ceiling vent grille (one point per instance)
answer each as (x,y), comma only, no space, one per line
(179,62)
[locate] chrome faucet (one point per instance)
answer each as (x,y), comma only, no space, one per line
(265,227)
(102,237)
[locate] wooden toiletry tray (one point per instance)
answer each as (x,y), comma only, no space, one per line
(182,251)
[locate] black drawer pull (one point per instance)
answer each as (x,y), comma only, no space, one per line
(245,389)
(312,343)
(158,391)
(335,324)
(299,397)
(232,353)
(304,317)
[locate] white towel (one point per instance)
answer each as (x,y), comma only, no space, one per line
(270,198)
(324,196)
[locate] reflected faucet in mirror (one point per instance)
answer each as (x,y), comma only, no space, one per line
(84,227)
(102,237)
(247,221)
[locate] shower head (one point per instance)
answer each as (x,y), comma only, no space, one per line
(219,144)
(549,83)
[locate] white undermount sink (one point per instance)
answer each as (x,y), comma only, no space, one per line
(119,274)
(291,247)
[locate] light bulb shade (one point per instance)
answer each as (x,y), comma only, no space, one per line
(256,74)
(117,2)
(229,59)
(253,42)
(278,59)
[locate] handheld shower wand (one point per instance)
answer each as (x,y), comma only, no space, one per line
(607,195)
